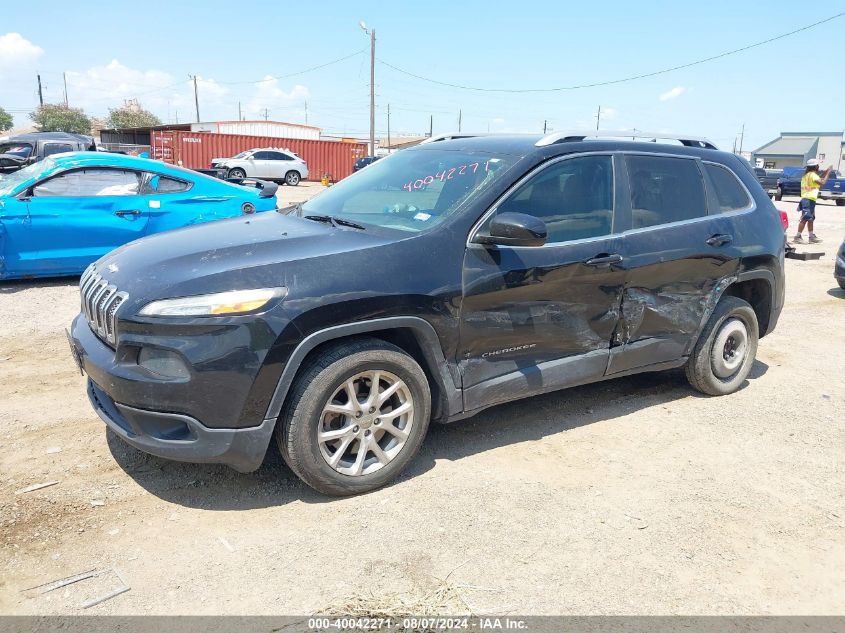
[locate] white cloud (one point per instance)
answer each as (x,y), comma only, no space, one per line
(17,53)
(498,120)
(674,93)
(268,95)
(608,114)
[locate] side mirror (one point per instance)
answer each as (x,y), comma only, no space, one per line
(250,157)
(515,229)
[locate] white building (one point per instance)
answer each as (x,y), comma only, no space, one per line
(276,129)
(796,148)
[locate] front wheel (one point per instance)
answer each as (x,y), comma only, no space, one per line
(778,194)
(237,172)
(726,349)
(292,178)
(355,418)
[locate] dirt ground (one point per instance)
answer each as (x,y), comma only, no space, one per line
(635,496)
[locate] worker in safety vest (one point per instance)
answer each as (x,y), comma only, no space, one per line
(811,182)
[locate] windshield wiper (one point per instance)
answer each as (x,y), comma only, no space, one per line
(336,222)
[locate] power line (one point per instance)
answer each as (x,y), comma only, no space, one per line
(615,81)
(299,72)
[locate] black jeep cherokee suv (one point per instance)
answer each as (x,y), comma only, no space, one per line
(442,280)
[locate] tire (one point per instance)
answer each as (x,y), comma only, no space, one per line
(840,203)
(778,194)
(323,383)
(237,172)
(292,178)
(717,375)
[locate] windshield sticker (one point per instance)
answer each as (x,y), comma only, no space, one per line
(422,216)
(448,174)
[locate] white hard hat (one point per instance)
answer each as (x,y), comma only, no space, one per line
(813,162)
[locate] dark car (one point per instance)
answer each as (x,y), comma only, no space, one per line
(789,184)
(839,271)
(26,149)
(443,280)
(363,162)
(768,178)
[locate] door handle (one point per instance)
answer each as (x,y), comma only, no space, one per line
(603,260)
(128,212)
(719,239)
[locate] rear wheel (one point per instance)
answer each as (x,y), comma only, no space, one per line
(237,172)
(292,178)
(726,349)
(778,194)
(355,418)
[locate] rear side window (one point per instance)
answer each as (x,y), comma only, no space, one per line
(57,148)
(729,191)
(665,190)
(163,184)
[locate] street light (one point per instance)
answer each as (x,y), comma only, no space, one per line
(372,34)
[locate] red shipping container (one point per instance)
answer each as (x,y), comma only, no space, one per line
(196,149)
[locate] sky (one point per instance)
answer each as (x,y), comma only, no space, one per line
(254,52)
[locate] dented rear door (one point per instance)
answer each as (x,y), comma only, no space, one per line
(675,257)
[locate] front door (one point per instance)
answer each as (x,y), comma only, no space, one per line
(535,319)
(77,217)
(675,256)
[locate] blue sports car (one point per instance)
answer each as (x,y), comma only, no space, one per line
(68,210)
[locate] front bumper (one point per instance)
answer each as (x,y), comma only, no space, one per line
(180,437)
(141,409)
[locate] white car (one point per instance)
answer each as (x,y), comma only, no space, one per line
(267,163)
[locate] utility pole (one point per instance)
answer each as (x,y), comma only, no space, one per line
(389,144)
(40,92)
(240,116)
(430,125)
(545,125)
(266,114)
(64,78)
(196,98)
(372,34)
(741,138)
(459,121)
(598,118)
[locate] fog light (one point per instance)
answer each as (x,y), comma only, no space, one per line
(162,362)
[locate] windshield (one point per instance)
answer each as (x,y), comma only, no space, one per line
(242,155)
(9,182)
(22,150)
(412,191)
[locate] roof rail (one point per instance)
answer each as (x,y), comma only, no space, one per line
(449,137)
(566,137)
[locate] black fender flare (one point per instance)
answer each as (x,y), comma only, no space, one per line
(422,329)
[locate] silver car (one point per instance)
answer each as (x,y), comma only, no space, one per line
(267,163)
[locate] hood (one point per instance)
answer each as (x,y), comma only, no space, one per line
(244,252)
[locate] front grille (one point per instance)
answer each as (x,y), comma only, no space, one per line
(100,302)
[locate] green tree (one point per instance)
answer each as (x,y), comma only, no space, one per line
(57,117)
(130,114)
(6,121)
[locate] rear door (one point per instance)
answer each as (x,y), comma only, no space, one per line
(675,255)
(78,216)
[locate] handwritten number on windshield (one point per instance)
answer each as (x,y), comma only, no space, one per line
(446,174)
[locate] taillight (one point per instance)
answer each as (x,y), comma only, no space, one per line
(784,219)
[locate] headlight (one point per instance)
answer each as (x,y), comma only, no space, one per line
(221,303)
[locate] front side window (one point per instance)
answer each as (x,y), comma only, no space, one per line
(89,182)
(729,191)
(665,190)
(264,155)
(413,190)
(19,150)
(574,197)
